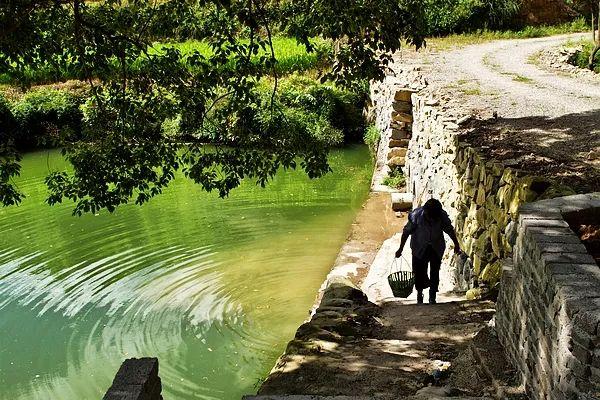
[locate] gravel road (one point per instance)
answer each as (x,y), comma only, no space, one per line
(537,118)
(508,68)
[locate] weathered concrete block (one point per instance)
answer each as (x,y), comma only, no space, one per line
(402,201)
(137,379)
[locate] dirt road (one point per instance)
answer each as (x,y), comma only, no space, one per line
(509,68)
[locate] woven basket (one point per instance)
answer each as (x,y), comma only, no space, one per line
(401,283)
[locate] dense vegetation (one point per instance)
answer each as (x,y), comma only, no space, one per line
(395,179)
(457,16)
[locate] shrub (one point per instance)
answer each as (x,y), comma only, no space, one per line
(7,120)
(455,16)
(371,138)
(581,58)
(44,114)
(395,179)
(341,108)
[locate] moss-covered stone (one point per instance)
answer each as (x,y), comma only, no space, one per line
(476,264)
(557,190)
(482,244)
(481,195)
(505,195)
(496,240)
(397,162)
(491,273)
(508,176)
(481,216)
(473,294)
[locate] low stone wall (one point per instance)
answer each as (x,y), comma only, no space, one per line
(390,109)
(548,311)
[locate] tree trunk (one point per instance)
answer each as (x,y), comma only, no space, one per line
(591,60)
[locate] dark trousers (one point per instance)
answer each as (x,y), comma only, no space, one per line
(419,266)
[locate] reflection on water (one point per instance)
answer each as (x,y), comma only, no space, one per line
(214,288)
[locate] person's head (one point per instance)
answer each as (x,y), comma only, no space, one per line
(433,209)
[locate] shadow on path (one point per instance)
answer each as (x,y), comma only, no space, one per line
(566,148)
(388,356)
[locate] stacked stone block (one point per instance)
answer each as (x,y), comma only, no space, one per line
(390,108)
(549,305)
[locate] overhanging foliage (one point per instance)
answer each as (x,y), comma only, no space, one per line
(227,129)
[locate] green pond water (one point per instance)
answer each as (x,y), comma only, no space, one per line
(212,287)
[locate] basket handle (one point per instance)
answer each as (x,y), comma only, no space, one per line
(395,264)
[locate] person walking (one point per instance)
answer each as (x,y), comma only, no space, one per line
(427,225)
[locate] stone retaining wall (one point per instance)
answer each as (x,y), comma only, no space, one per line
(548,310)
(481,196)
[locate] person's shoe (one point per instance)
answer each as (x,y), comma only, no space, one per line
(420,298)
(432,298)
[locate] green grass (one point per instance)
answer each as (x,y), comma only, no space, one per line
(291,57)
(371,138)
(471,92)
(521,78)
(482,36)
(395,179)
(582,58)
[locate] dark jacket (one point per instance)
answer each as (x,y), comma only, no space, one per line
(427,232)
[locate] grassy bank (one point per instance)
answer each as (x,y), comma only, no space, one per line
(582,57)
(483,36)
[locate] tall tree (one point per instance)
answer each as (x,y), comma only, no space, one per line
(227,130)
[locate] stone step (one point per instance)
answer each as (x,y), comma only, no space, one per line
(402,201)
